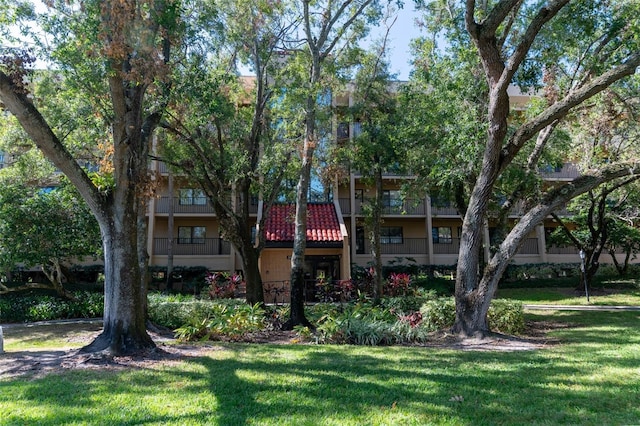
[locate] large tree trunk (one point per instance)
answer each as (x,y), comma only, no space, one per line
(124,330)
(252,278)
(297,316)
(130,71)
(473,295)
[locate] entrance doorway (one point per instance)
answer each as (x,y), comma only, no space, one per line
(319,268)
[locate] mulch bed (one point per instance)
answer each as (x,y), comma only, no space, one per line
(34,364)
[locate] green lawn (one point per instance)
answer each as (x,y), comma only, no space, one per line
(567,296)
(592,378)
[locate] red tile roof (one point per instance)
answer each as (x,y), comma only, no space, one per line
(322,223)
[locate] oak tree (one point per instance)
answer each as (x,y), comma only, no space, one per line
(520,42)
(117,54)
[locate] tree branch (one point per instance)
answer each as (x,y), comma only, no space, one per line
(42,135)
(544,15)
(561,108)
(558,197)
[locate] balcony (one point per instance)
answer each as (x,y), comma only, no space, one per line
(452,246)
(568,171)
(444,211)
(163,168)
(407,246)
(345,206)
(446,246)
(529,246)
(562,250)
(198,205)
(195,205)
(409,207)
(204,247)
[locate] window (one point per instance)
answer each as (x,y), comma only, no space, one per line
(360,240)
(191,234)
(192,197)
(357,129)
(391,235)
(441,235)
(342,133)
(391,198)
(440,202)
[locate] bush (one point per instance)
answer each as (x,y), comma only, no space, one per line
(505,316)
(34,307)
(407,332)
(438,314)
(407,304)
(176,313)
(202,319)
(222,285)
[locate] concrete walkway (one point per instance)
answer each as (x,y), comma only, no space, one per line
(582,307)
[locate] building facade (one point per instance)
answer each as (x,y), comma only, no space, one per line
(417,229)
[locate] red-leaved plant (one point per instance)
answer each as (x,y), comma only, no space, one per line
(398,284)
(222,285)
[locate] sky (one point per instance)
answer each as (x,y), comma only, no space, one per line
(401,34)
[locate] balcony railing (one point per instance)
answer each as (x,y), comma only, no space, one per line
(567,171)
(562,250)
(345,206)
(409,207)
(452,246)
(446,246)
(196,205)
(163,167)
(444,211)
(201,247)
(529,246)
(407,246)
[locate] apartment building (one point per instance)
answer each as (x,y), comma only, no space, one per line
(420,228)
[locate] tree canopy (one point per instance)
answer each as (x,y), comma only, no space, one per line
(568,52)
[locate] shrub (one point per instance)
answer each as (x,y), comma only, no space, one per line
(406,331)
(506,316)
(36,307)
(222,285)
(202,319)
(174,314)
(438,314)
(408,304)
(398,284)
(235,322)
(360,331)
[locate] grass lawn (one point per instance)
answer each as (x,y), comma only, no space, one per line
(568,296)
(591,378)
(606,291)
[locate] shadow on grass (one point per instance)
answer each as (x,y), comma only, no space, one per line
(32,334)
(579,382)
(365,386)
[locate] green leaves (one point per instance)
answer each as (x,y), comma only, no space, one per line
(37,226)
